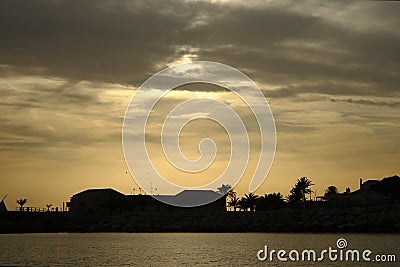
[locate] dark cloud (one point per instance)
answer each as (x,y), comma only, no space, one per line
(391,104)
(19,105)
(331,88)
(201,87)
(275,64)
(125,41)
(84,39)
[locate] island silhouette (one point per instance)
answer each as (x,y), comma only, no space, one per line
(373,207)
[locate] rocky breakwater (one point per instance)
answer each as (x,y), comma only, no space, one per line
(354,219)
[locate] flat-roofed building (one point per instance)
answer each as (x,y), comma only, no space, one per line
(108,202)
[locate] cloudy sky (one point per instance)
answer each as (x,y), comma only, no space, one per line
(68,69)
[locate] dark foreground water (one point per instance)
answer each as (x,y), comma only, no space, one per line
(188,249)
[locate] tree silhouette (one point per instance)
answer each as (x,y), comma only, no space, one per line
(224,189)
(21,202)
(300,189)
(234,202)
(249,201)
(270,201)
(331,191)
(231,194)
(242,205)
(48,207)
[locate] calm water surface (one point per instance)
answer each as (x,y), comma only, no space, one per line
(180,249)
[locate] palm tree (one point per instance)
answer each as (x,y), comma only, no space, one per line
(304,185)
(270,201)
(242,204)
(299,191)
(233,202)
(21,202)
(231,194)
(295,196)
(331,191)
(224,189)
(249,201)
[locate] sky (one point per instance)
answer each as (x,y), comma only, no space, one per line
(68,69)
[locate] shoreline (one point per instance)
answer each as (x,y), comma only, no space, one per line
(381,219)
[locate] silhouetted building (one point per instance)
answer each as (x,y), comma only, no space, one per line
(367,195)
(96,202)
(108,202)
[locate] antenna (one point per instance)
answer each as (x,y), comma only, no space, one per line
(3,198)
